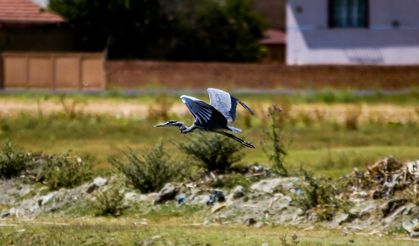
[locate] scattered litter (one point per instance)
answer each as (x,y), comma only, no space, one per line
(181,199)
(216,196)
(218,208)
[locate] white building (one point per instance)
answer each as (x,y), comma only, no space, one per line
(379,32)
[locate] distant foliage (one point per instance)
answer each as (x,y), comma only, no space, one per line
(276,151)
(64,171)
(12,161)
(227,30)
(109,202)
(150,171)
(213,152)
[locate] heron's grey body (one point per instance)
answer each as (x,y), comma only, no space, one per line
(215,117)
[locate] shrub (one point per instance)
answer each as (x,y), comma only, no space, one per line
(277,151)
(109,202)
(64,171)
(147,172)
(12,161)
(212,151)
(319,194)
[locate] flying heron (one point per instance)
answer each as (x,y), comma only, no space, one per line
(214,117)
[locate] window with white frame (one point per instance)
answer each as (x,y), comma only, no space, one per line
(348,13)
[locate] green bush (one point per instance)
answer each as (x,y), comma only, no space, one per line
(212,151)
(109,202)
(147,172)
(12,161)
(66,170)
(319,194)
(231,181)
(226,30)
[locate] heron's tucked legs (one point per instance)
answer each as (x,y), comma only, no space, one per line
(245,143)
(188,129)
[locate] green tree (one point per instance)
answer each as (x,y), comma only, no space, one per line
(126,28)
(165,29)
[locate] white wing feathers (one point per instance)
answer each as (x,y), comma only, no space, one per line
(221,100)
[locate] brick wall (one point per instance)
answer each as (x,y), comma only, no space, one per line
(148,74)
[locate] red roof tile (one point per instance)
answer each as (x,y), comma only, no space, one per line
(25,11)
(272,36)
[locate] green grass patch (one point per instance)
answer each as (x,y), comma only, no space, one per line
(119,231)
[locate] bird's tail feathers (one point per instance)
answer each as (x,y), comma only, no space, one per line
(234,129)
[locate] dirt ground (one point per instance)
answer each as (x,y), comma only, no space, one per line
(333,112)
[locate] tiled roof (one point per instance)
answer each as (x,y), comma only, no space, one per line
(272,36)
(25,11)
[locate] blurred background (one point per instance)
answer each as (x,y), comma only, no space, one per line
(101,73)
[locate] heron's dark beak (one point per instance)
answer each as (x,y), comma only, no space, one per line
(161,125)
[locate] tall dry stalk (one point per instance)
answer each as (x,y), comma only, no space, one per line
(276,152)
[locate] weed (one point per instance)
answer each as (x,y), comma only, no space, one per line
(147,172)
(352,117)
(71,107)
(109,202)
(277,153)
(293,240)
(159,110)
(12,161)
(64,171)
(212,151)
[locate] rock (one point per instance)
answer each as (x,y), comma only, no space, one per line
(45,199)
(340,218)
(259,225)
(266,185)
(52,209)
(151,241)
(412,227)
(97,182)
(271,185)
(238,192)
(24,191)
(402,210)
(168,192)
(250,221)
(392,205)
(364,208)
(5,214)
(199,199)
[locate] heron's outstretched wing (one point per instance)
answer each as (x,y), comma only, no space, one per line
(221,101)
(225,103)
(204,114)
